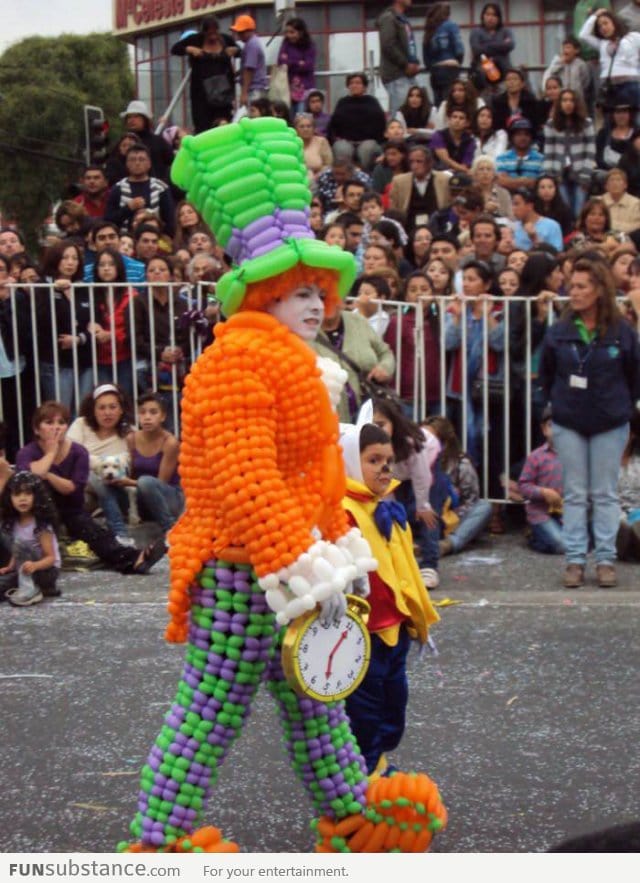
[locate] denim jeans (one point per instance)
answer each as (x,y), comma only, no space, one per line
(125,376)
(397,91)
(113,502)
(590,466)
(547,537)
(48,384)
(471,525)
(162,502)
(574,195)
(377,708)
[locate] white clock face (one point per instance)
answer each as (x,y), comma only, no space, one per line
(333,658)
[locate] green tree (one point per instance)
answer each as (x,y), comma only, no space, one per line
(44,83)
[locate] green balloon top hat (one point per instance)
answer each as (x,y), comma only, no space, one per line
(250,184)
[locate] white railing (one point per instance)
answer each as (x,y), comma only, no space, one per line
(455,341)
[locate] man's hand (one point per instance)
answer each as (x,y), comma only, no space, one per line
(195,51)
(29,567)
(412,69)
(551,497)
(66,341)
(378,374)
(136,203)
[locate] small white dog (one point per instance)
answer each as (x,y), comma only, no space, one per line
(117,466)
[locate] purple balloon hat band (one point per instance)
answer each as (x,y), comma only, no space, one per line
(268,233)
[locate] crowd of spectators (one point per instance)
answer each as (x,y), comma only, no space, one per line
(471,211)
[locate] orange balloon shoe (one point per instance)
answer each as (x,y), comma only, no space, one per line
(403,813)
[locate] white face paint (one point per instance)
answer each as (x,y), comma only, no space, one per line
(302,311)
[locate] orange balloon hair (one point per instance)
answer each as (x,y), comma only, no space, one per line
(260,294)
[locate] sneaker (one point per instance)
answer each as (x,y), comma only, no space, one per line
(26,594)
(445,547)
(573,576)
(129,542)
(430,577)
(78,556)
(606,576)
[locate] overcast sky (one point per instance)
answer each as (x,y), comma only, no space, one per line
(49,18)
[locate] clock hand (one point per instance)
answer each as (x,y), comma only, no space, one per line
(343,637)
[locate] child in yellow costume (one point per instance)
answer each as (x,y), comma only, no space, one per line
(400,606)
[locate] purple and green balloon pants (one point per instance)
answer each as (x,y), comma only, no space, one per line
(233,646)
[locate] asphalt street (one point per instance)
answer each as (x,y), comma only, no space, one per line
(528,717)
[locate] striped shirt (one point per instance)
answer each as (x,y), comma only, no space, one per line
(529,166)
(541,470)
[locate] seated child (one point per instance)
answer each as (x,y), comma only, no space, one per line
(540,484)
(400,606)
(27,531)
(466,515)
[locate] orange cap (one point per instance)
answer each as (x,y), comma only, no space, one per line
(244,23)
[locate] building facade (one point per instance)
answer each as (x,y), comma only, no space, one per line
(344,32)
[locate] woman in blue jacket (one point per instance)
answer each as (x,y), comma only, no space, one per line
(590,371)
(442,49)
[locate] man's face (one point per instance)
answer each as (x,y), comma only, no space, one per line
(105,238)
(569,52)
(522,140)
(616,185)
(446,252)
(340,174)
(520,207)
(136,122)
(458,121)
(484,240)
(147,246)
(419,165)
(94,182)
(353,234)
(10,244)
(138,163)
(353,197)
(356,87)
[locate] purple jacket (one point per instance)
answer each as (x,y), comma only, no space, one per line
(301,65)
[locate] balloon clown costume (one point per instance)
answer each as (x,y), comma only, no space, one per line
(264,537)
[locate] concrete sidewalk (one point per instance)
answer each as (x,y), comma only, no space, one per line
(528,718)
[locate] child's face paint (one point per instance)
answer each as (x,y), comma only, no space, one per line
(376,462)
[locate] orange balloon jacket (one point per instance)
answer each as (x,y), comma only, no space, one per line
(260,463)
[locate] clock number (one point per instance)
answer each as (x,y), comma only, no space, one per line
(305,648)
(350,625)
(314,679)
(351,675)
(305,666)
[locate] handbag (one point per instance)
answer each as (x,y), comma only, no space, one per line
(495,390)
(607,90)
(279,83)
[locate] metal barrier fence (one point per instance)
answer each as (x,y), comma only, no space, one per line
(484,418)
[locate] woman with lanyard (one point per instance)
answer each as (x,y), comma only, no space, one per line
(590,372)
(619,51)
